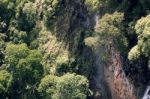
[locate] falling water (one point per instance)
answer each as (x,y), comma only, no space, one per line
(96,20)
(147,93)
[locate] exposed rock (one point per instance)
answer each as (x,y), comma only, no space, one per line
(120,86)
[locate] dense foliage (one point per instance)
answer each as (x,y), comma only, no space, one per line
(69,86)
(34,64)
(45,44)
(143,45)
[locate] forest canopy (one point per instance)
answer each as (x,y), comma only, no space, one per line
(47,46)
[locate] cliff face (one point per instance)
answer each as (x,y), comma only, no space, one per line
(120,86)
(109,80)
(71,25)
(106,41)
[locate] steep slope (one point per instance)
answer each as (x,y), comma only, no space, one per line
(121,87)
(74,49)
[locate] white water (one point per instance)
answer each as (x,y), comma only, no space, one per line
(96,20)
(147,93)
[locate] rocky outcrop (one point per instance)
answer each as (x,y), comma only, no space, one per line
(120,86)
(109,77)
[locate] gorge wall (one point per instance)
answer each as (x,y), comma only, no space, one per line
(74,49)
(108,80)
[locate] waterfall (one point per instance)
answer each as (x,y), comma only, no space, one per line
(147,93)
(96,20)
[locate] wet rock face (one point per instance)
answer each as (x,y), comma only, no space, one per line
(100,86)
(120,86)
(109,77)
(109,80)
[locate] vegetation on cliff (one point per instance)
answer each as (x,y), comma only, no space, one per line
(46,46)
